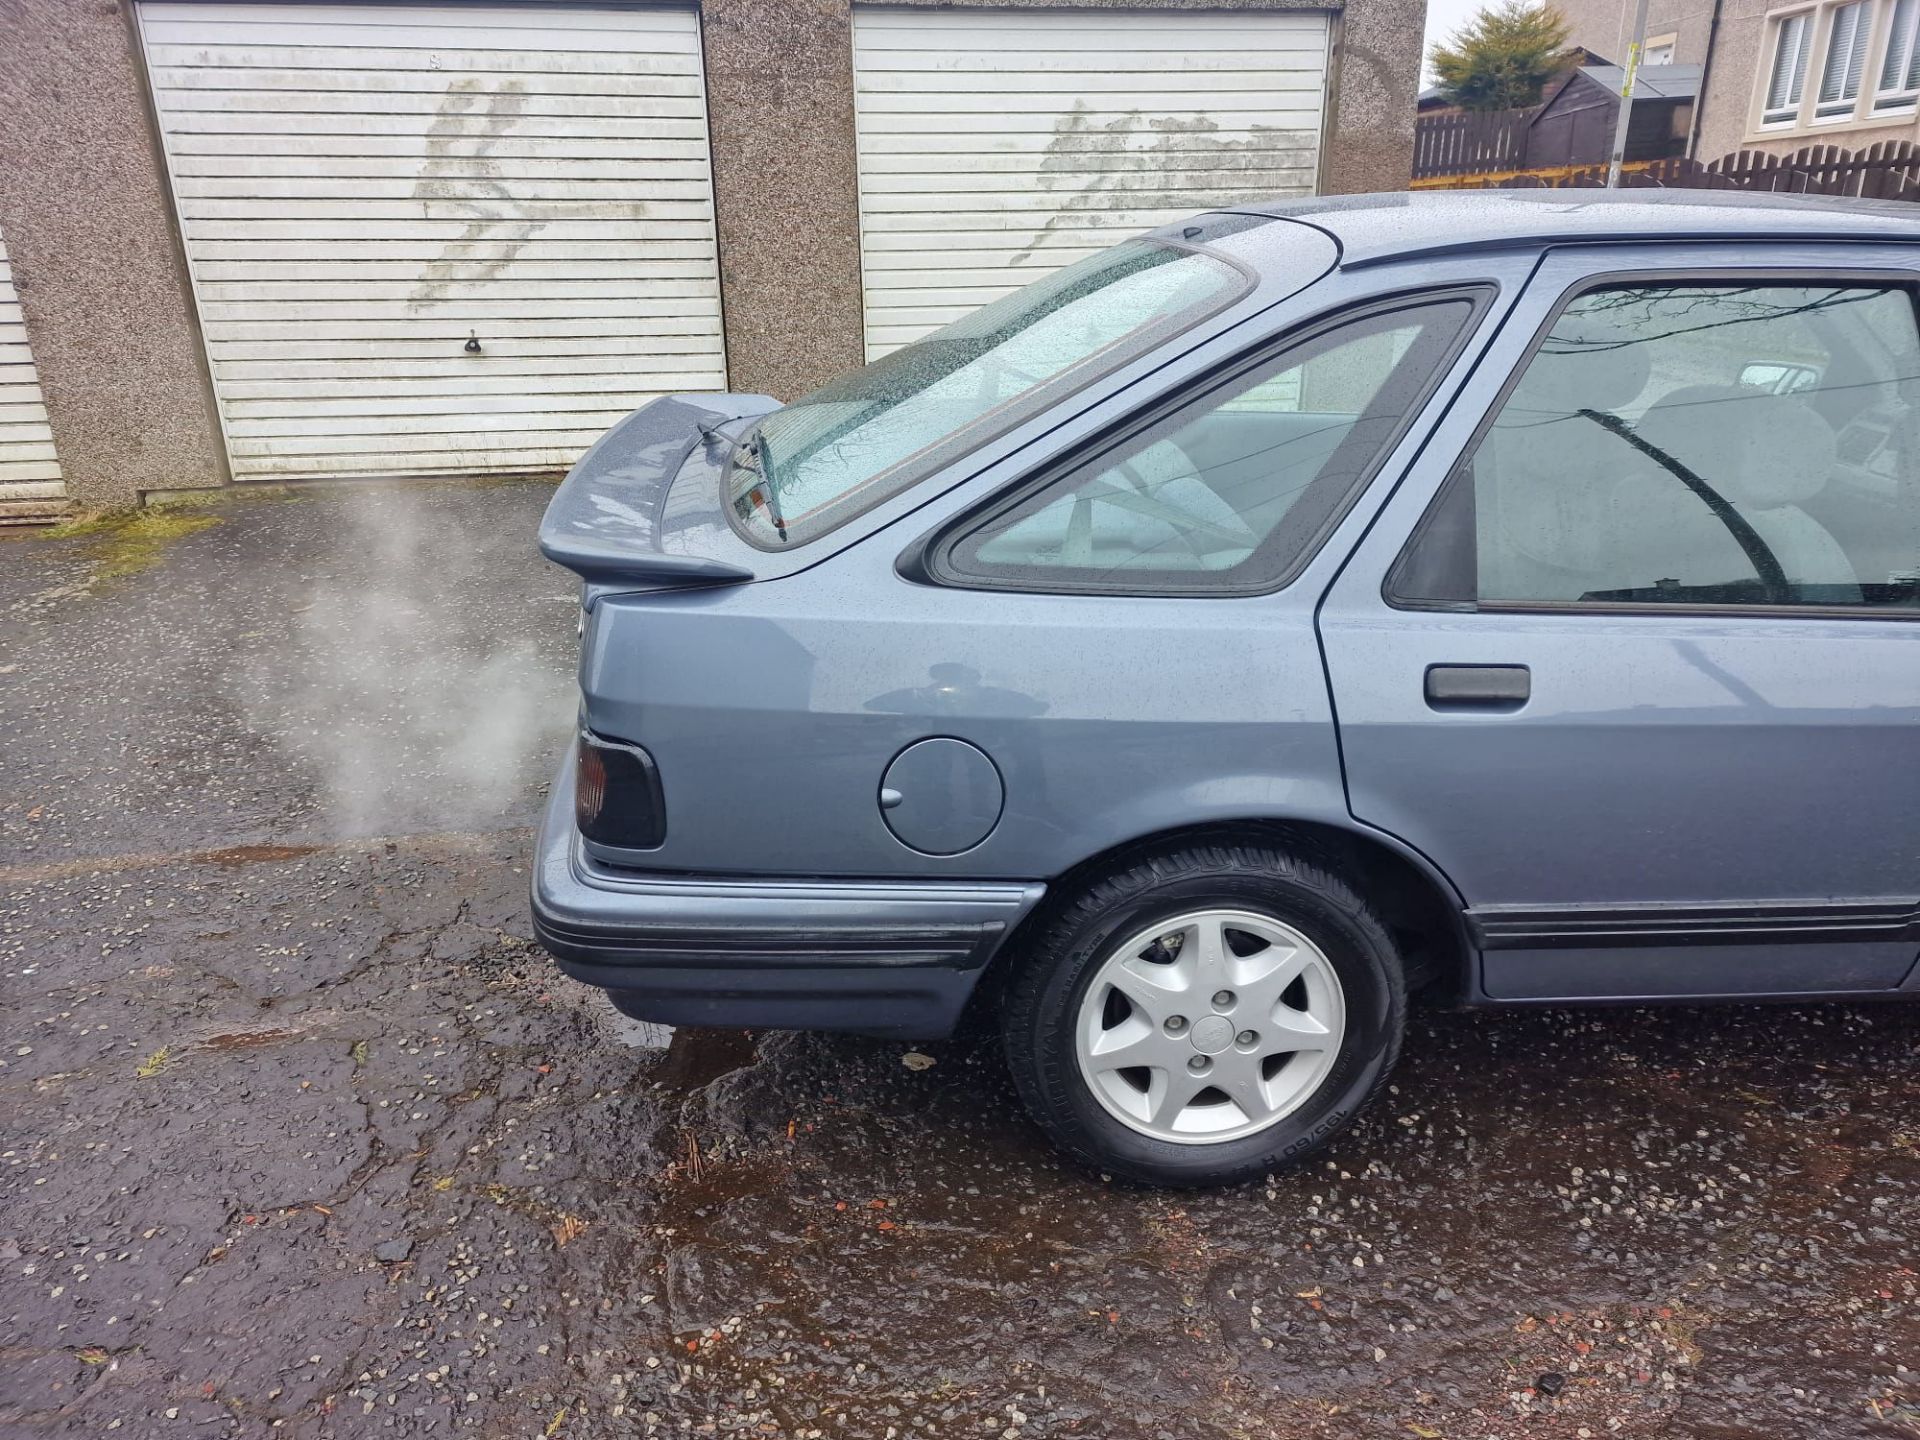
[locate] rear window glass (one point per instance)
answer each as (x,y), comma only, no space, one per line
(827,457)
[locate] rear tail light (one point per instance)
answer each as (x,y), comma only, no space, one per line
(616,795)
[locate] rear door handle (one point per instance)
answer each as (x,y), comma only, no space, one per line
(1478,687)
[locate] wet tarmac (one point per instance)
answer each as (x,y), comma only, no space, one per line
(303,1136)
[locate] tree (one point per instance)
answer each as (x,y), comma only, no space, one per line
(1503,57)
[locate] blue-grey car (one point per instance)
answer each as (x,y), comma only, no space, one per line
(1516,595)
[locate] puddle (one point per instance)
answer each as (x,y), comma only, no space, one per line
(246,1039)
(235,856)
(637,1034)
(697,1058)
(686,1058)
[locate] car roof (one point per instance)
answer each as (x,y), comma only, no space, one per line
(1374,229)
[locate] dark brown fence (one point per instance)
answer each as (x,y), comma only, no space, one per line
(1470,143)
(1887,171)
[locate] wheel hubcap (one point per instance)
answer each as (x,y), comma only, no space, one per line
(1209,1026)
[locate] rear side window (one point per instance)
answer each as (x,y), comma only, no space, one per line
(1230,492)
(843,449)
(1676,444)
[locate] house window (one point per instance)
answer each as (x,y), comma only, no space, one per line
(1849,27)
(1793,40)
(1900,71)
(1659,50)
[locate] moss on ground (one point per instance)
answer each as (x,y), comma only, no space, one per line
(129,542)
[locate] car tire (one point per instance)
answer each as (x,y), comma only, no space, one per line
(1065,1043)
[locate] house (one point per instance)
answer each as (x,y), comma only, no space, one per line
(1778,76)
(258,241)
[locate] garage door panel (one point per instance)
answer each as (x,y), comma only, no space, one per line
(998,144)
(1035,157)
(188,105)
(1170,172)
(527,459)
(295,393)
(437,188)
(1011,104)
(596,228)
(364,187)
(530,56)
(296,256)
(248,209)
(1197,50)
(404,170)
(323,452)
(1041,89)
(900,27)
(29,467)
(283,84)
(471,22)
(324,432)
(640,355)
(479,290)
(505,338)
(555,142)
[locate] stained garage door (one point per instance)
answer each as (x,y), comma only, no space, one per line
(29,474)
(438,239)
(997,144)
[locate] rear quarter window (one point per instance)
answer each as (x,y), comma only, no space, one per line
(1232,491)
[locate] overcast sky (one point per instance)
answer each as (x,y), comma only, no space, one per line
(1443,18)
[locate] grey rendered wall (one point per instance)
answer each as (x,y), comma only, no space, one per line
(96,259)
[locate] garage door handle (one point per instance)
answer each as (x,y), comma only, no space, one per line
(1478,687)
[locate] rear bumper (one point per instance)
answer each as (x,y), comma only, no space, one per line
(894,958)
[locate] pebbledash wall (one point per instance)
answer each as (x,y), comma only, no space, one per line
(303,239)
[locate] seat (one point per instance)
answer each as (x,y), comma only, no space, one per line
(1764,454)
(1153,509)
(1545,473)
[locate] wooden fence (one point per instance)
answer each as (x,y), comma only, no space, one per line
(1470,143)
(1889,170)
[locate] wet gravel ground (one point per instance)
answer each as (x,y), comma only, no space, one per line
(303,1136)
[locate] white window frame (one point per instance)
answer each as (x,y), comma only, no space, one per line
(1800,24)
(1900,53)
(1670,42)
(1874,43)
(1843,59)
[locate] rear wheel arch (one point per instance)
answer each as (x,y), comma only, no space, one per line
(1421,908)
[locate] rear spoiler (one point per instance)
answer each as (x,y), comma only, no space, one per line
(603,564)
(642,508)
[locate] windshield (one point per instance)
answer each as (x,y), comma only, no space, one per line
(846,447)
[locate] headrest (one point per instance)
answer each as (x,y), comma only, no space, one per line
(1587,363)
(1756,448)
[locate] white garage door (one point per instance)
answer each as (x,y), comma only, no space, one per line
(29,474)
(998,144)
(438,239)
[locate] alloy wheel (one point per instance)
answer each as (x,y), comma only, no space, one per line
(1209,1026)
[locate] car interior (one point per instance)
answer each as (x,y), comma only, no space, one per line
(1803,491)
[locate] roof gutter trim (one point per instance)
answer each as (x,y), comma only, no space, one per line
(1496,244)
